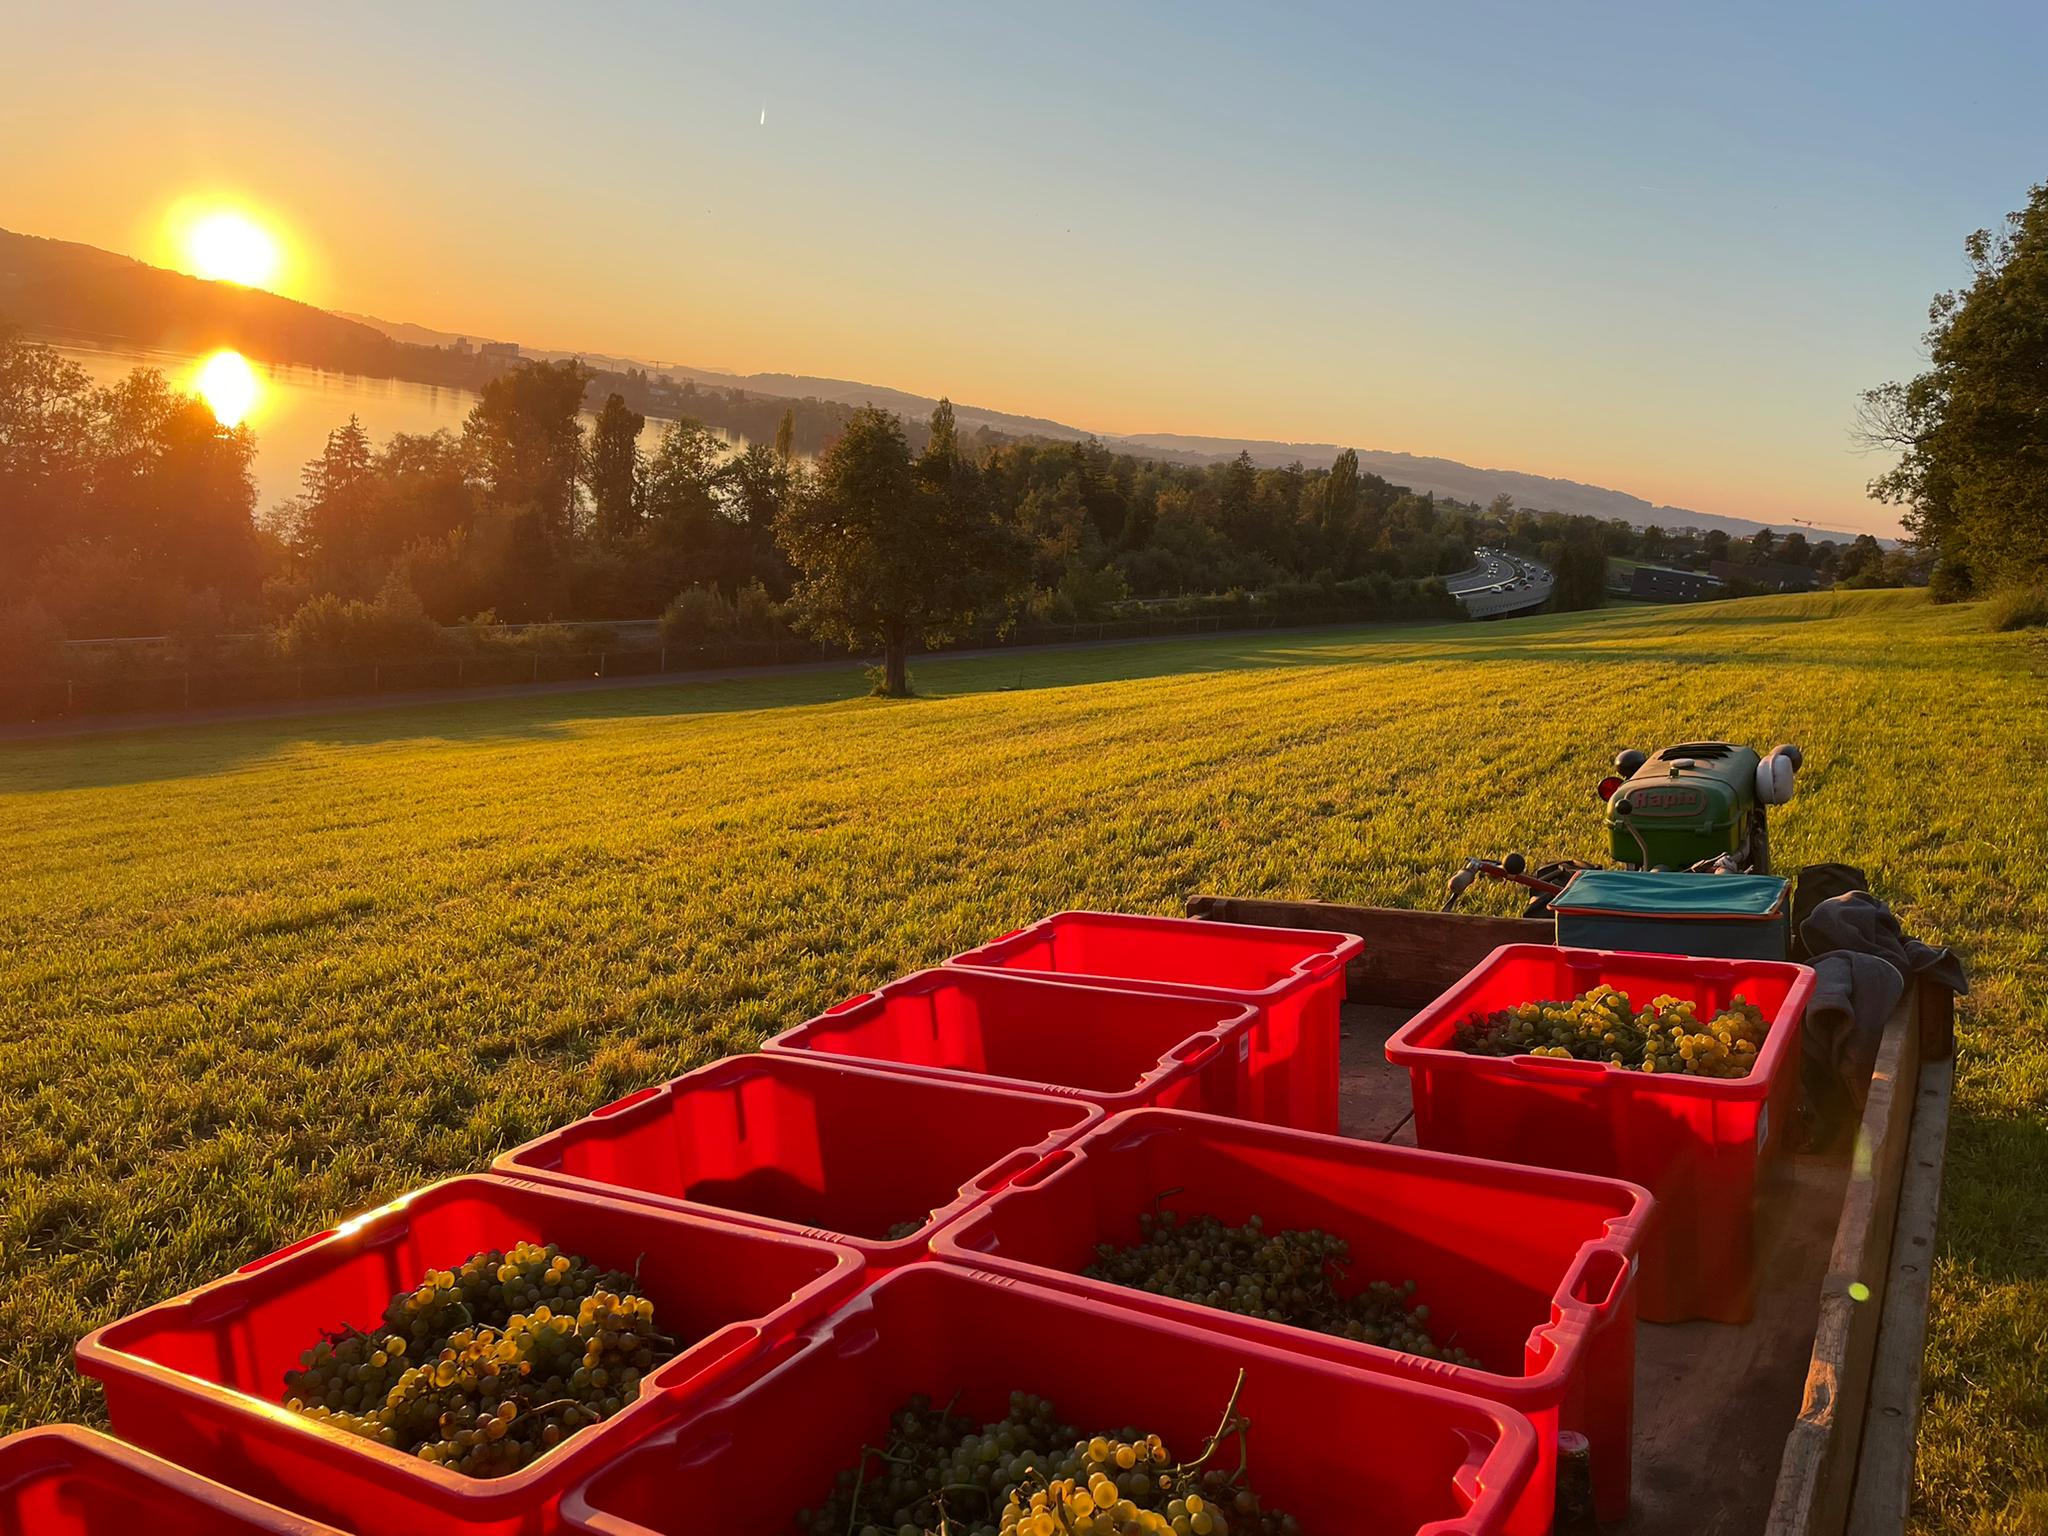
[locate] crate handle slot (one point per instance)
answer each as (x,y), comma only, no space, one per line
(1032,1177)
(1004,1171)
(1597,1277)
(285,1252)
(709,1357)
(852,1002)
(1558,1066)
(1196,1053)
(637,1096)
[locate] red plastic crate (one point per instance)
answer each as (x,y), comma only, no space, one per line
(808,1145)
(1698,1144)
(198,1380)
(1117,1049)
(1340,1450)
(67,1481)
(1293,976)
(1526,1268)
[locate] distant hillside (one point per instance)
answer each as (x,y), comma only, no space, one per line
(787,386)
(62,288)
(57,287)
(1463,482)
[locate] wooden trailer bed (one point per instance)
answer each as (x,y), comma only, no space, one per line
(1801,1421)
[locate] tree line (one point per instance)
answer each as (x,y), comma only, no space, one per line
(128,510)
(1971,432)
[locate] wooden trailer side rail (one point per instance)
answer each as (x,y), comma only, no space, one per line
(1818,1474)
(1847,1468)
(1883,1497)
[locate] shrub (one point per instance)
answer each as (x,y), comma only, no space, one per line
(1950,582)
(2018,607)
(695,616)
(755,613)
(1090,594)
(328,628)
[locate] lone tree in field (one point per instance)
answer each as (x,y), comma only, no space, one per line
(1972,431)
(892,552)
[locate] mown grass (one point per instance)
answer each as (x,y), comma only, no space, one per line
(255,977)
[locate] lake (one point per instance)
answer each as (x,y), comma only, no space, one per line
(292,409)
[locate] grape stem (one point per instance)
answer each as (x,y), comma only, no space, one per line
(1228,1425)
(550,1407)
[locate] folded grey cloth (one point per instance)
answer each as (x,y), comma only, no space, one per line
(1815,884)
(1853,995)
(1862,961)
(1858,921)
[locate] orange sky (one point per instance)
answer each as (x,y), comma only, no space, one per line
(1615,280)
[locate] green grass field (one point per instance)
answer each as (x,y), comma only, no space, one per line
(255,977)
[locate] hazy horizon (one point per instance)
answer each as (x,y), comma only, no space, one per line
(1659,254)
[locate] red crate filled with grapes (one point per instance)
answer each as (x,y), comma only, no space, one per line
(452,1361)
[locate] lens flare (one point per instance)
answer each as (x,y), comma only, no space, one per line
(229,246)
(228,385)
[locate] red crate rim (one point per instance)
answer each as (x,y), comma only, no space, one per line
(1409,1047)
(1575,1318)
(1338,953)
(1502,1471)
(61,1447)
(1194,1052)
(801,1063)
(100,1353)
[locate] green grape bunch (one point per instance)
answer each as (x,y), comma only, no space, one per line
(1601,1025)
(1291,1277)
(484,1368)
(1028,1474)
(1128,1483)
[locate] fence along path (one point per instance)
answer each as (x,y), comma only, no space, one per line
(294,689)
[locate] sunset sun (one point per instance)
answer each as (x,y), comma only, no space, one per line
(226,244)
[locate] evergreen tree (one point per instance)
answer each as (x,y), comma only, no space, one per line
(526,444)
(614,469)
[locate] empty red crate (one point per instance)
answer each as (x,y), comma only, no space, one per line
(199,1379)
(810,1145)
(1338,1449)
(1527,1269)
(1121,1050)
(67,1481)
(1293,976)
(1697,1143)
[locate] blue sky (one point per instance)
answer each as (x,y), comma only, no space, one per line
(1654,247)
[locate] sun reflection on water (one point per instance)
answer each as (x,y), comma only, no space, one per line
(228,385)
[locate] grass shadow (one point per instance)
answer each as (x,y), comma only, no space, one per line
(167,751)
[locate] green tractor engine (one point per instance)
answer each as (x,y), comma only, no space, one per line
(1697,807)
(1698,803)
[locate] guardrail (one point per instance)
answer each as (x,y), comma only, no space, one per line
(1494,605)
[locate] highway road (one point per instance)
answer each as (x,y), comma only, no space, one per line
(1501,582)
